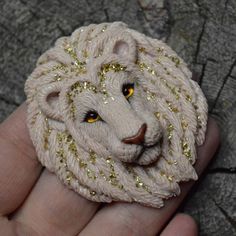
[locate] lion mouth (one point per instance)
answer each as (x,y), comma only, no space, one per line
(149,154)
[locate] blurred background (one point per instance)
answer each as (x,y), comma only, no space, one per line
(202,32)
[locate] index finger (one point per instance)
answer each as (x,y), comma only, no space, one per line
(19,166)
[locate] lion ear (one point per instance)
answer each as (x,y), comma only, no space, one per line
(123,45)
(48,100)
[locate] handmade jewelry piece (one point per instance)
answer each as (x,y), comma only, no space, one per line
(115,115)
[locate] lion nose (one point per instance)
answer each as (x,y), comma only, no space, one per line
(137,138)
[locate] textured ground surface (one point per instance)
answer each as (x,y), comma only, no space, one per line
(203,32)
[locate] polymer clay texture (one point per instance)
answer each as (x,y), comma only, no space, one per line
(167,115)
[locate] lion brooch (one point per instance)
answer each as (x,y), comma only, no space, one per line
(115,115)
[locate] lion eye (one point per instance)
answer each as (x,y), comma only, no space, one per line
(128,90)
(91,116)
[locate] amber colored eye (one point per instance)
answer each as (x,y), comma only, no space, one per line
(91,116)
(128,90)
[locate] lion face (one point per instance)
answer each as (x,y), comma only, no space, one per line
(122,124)
(115,115)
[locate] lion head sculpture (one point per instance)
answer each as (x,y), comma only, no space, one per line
(115,115)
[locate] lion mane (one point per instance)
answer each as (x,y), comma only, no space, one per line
(74,65)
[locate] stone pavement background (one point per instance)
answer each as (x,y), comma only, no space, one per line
(203,32)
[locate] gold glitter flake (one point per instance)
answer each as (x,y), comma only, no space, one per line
(176,60)
(141,65)
(116,67)
(169,177)
(60,67)
(105,68)
(199,122)
(104,28)
(184,124)
(67,138)
(186,149)
(158,115)
(188,98)
(173,90)
(171,107)
(160,50)
(57,77)
(61,138)
(82,164)
(85,54)
(173,58)
(93,193)
(142,49)
(138,181)
(92,156)
(90,174)
(79,66)
(150,95)
(46,135)
(69,176)
(112,179)
(34,118)
(75,89)
(170,130)
(170,162)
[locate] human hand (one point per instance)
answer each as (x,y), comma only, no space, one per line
(34,202)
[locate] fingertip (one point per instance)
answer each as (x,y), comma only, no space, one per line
(181,225)
(188,221)
(212,135)
(210,146)
(215,130)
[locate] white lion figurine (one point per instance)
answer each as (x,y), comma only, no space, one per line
(115,115)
